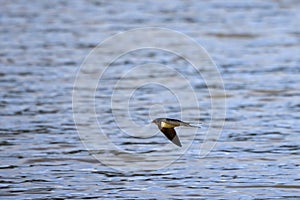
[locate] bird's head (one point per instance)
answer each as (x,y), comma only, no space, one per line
(155,121)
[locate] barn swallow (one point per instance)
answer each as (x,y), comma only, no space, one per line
(167,125)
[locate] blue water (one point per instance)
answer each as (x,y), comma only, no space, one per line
(255,45)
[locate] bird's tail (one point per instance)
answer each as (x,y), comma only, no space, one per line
(189,125)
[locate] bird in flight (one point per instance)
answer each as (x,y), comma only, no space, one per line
(167,125)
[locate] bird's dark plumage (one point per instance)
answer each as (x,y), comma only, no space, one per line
(170,133)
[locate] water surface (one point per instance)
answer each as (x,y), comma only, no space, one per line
(256,47)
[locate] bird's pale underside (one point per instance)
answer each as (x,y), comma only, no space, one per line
(167,125)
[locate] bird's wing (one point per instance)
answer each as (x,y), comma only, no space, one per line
(176,122)
(170,133)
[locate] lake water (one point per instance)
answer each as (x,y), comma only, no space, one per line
(251,153)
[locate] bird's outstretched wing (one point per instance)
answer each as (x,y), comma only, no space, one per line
(170,133)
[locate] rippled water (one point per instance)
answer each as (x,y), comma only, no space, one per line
(256,47)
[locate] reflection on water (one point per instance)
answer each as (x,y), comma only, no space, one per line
(256,46)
